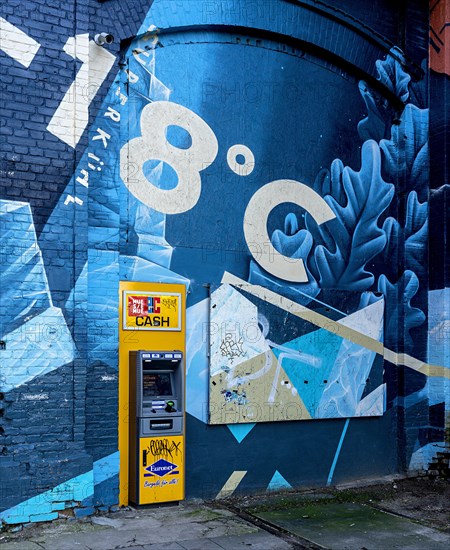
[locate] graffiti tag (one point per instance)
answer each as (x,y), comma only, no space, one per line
(164,447)
(232,348)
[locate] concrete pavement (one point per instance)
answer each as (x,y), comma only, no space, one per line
(188,526)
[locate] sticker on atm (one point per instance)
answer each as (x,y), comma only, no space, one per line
(151,311)
(161,468)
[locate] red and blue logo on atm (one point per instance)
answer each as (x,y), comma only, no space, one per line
(153,304)
(143,305)
(161,468)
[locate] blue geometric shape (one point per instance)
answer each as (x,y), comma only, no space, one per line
(102,281)
(439,327)
(341,396)
(69,492)
(133,268)
(66,494)
(337,453)
(36,331)
(277,483)
(197,366)
(39,346)
(240,431)
(106,467)
(306,375)
(23,281)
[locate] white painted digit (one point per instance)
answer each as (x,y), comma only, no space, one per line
(156,117)
(72,115)
(255,225)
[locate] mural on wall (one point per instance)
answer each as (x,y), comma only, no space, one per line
(355,237)
(356,247)
(341,237)
(325,373)
(300,232)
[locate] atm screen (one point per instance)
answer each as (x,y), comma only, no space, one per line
(157,384)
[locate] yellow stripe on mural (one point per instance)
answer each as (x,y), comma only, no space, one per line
(337,328)
(231,484)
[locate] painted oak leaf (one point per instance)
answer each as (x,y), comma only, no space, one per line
(406,153)
(418,89)
(398,310)
(392,74)
(329,182)
(416,235)
(393,251)
(412,238)
(294,244)
(375,125)
(355,235)
(379,112)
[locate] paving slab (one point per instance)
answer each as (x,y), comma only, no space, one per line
(203,544)
(171,546)
(19,545)
(255,541)
(350,526)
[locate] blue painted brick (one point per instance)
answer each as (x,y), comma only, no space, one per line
(83,512)
(11,520)
(58,506)
(44,517)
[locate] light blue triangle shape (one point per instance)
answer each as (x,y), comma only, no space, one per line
(240,431)
(320,344)
(278,482)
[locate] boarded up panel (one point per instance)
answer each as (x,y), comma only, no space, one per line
(268,364)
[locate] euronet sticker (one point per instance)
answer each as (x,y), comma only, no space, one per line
(161,468)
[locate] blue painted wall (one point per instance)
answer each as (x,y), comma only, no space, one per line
(333,95)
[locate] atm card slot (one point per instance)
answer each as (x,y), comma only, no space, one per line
(161,424)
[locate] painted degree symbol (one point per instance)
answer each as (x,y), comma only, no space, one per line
(244,168)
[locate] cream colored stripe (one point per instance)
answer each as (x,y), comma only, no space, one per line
(416,364)
(335,327)
(307,314)
(231,484)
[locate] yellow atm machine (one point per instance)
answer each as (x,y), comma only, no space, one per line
(156,460)
(152,343)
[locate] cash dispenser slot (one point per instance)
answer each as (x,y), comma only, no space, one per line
(161,424)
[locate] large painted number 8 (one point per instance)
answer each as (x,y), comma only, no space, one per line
(153,145)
